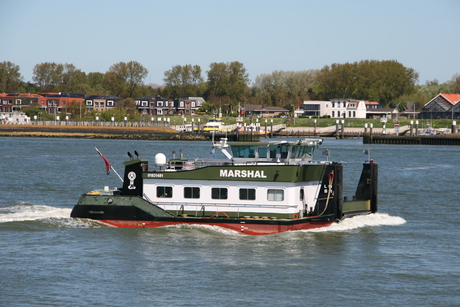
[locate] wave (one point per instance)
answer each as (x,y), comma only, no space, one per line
(50,216)
(361,221)
(60,218)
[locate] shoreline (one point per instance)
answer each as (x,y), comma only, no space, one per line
(97,132)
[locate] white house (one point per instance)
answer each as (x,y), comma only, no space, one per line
(314,108)
(348,108)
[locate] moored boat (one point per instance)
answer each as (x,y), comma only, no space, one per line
(260,188)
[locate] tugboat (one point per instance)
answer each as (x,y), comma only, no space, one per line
(260,188)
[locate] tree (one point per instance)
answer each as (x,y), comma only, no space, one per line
(227,79)
(456,83)
(284,87)
(10,77)
(131,74)
(72,80)
(184,81)
(114,84)
(48,76)
(383,81)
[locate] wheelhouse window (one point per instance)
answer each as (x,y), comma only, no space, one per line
(191,192)
(275,195)
(243,151)
(247,194)
(164,192)
(219,193)
(280,149)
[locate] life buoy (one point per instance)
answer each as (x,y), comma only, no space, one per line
(295,216)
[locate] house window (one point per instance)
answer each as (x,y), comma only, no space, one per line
(191,192)
(96,103)
(275,195)
(338,113)
(144,103)
(159,103)
(181,104)
(164,192)
(152,104)
(63,102)
(219,193)
(333,113)
(109,103)
(247,194)
(89,102)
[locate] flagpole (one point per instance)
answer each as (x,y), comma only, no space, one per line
(116,173)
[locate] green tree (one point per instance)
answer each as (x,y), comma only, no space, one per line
(184,81)
(114,84)
(281,88)
(73,80)
(131,74)
(95,83)
(10,77)
(227,80)
(382,81)
(48,76)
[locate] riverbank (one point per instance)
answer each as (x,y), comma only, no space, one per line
(96,132)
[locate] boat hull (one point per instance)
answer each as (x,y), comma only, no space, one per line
(246,227)
(134,212)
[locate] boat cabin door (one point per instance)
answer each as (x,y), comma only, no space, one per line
(304,210)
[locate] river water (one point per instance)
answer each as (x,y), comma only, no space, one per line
(408,254)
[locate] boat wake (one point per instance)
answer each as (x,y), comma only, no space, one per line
(46,215)
(361,221)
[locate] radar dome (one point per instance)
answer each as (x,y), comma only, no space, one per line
(160,159)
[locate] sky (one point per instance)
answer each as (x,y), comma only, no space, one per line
(264,35)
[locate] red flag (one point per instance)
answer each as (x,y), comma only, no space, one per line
(107,163)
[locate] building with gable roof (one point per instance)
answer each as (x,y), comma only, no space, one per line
(442,106)
(348,108)
(101,102)
(155,105)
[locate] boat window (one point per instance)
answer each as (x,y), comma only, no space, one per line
(191,192)
(243,151)
(262,152)
(164,192)
(219,193)
(301,194)
(275,195)
(279,149)
(247,194)
(296,152)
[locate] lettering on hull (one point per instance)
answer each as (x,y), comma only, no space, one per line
(242,173)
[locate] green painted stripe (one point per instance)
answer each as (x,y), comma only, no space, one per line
(272,173)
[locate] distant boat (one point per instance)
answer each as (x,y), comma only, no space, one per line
(215,125)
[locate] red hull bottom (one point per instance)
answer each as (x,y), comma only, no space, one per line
(243,227)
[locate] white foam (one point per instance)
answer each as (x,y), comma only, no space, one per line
(361,221)
(212,228)
(29,212)
(57,217)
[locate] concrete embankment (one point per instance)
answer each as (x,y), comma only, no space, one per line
(446,139)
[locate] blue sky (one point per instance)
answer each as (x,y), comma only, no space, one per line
(264,35)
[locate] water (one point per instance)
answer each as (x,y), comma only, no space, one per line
(407,254)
